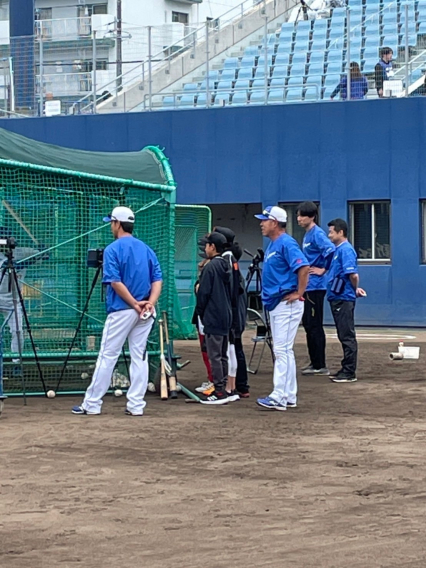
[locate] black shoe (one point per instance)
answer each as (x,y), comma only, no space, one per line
(217,397)
(291,404)
(343,379)
(232,396)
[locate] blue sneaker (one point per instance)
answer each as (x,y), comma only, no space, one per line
(291,404)
(78,410)
(270,403)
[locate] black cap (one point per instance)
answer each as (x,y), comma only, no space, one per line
(216,239)
(227,233)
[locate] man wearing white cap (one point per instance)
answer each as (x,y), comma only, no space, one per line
(284,280)
(133,277)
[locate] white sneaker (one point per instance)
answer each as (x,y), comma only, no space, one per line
(204,386)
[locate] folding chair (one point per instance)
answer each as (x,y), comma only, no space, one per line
(263,337)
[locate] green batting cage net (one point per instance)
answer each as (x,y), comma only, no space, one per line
(191,223)
(55,215)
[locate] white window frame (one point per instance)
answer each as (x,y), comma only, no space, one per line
(372,260)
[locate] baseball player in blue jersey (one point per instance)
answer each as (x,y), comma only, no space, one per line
(284,280)
(318,250)
(133,277)
(342,292)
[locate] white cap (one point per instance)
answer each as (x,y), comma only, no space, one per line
(123,214)
(274,213)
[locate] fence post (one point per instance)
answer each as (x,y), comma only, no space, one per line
(348,54)
(150,67)
(94,57)
(207,67)
(12,85)
(266,57)
(407,71)
(41,71)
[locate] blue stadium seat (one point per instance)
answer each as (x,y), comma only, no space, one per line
(372,41)
(227,75)
(261,61)
(187,100)
(369,64)
(221,96)
(299,57)
(245,73)
(279,71)
(169,101)
(287,30)
(391,41)
(316,57)
(190,87)
(320,24)
(281,60)
(319,44)
(240,98)
(231,63)
(334,67)
(242,84)
(251,50)
(390,29)
(296,80)
(316,68)
(371,52)
(294,94)
(389,18)
(258,97)
(298,69)
(332,79)
(224,86)
(356,43)
(314,79)
(276,96)
(259,72)
(422,28)
(312,94)
(248,61)
(277,82)
(202,99)
(284,49)
(272,40)
(301,45)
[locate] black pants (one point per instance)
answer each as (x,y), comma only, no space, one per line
(217,346)
(343,314)
(313,323)
(241,382)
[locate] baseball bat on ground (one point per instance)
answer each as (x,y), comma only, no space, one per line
(163,377)
(172,373)
(19,221)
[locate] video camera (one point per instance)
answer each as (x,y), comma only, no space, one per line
(256,260)
(95,258)
(9,243)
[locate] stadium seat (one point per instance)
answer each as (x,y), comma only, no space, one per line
(227,75)
(259,72)
(251,50)
(319,44)
(287,30)
(248,61)
(245,73)
(297,80)
(281,60)
(187,100)
(298,69)
(389,18)
(391,41)
(372,41)
(334,67)
(316,57)
(356,43)
(224,86)
(231,63)
(202,99)
(221,96)
(258,97)
(284,49)
(242,84)
(169,101)
(190,87)
(299,57)
(312,94)
(301,45)
(261,61)
(294,94)
(278,82)
(316,69)
(314,79)
(276,96)
(279,71)
(240,98)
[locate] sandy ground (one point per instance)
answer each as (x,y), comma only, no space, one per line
(338,482)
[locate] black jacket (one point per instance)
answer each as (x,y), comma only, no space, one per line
(238,296)
(214,297)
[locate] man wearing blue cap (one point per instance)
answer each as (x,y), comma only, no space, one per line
(284,281)
(133,277)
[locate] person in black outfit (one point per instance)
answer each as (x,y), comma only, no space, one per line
(215,311)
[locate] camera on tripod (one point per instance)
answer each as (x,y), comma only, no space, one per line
(95,258)
(8,243)
(256,260)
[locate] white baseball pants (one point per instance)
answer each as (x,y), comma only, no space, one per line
(285,320)
(119,326)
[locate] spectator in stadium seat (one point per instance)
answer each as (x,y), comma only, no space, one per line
(359,84)
(383,70)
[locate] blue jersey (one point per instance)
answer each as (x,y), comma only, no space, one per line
(132,262)
(318,249)
(283,258)
(343,264)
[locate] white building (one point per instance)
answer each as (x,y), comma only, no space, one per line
(66,45)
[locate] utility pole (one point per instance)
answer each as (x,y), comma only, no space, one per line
(119,31)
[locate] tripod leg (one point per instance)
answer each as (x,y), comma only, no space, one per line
(83,313)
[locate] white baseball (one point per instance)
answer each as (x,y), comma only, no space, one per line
(51,394)
(84,375)
(178,388)
(118,392)
(151,387)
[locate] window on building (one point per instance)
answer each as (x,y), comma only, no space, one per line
(180,17)
(370,230)
(293,228)
(92,10)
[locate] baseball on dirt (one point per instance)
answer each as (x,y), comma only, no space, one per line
(84,375)
(118,392)
(151,387)
(51,394)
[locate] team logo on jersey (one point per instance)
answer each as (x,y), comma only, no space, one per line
(271,254)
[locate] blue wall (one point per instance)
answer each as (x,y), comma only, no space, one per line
(330,152)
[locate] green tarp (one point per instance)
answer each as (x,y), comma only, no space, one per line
(143,166)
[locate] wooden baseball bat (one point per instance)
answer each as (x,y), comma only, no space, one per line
(19,221)
(172,374)
(163,377)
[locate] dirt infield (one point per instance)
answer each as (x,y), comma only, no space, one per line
(338,482)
